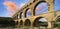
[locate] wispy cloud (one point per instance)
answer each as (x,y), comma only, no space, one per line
(12,7)
(38,8)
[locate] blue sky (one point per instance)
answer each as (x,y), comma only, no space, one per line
(19,3)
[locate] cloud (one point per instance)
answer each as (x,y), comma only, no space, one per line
(38,8)
(10,6)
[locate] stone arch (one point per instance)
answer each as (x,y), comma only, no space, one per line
(21,23)
(57,18)
(26,12)
(20,15)
(35,0)
(17,22)
(17,16)
(38,23)
(37,5)
(27,22)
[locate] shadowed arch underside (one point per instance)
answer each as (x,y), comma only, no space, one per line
(21,23)
(27,12)
(38,23)
(21,14)
(58,19)
(27,22)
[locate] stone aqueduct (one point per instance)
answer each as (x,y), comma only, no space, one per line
(50,16)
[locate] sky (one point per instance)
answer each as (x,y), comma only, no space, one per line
(9,7)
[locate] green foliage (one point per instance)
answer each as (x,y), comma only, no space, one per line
(58,20)
(58,26)
(6,22)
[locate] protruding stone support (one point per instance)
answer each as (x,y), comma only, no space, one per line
(50,5)
(31,25)
(50,24)
(32,12)
(18,24)
(23,25)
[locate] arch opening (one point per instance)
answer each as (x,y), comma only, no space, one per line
(40,21)
(27,22)
(21,15)
(40,7)
(28,13)
(21,23)
(58,19)
(18,16)
(16,22)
